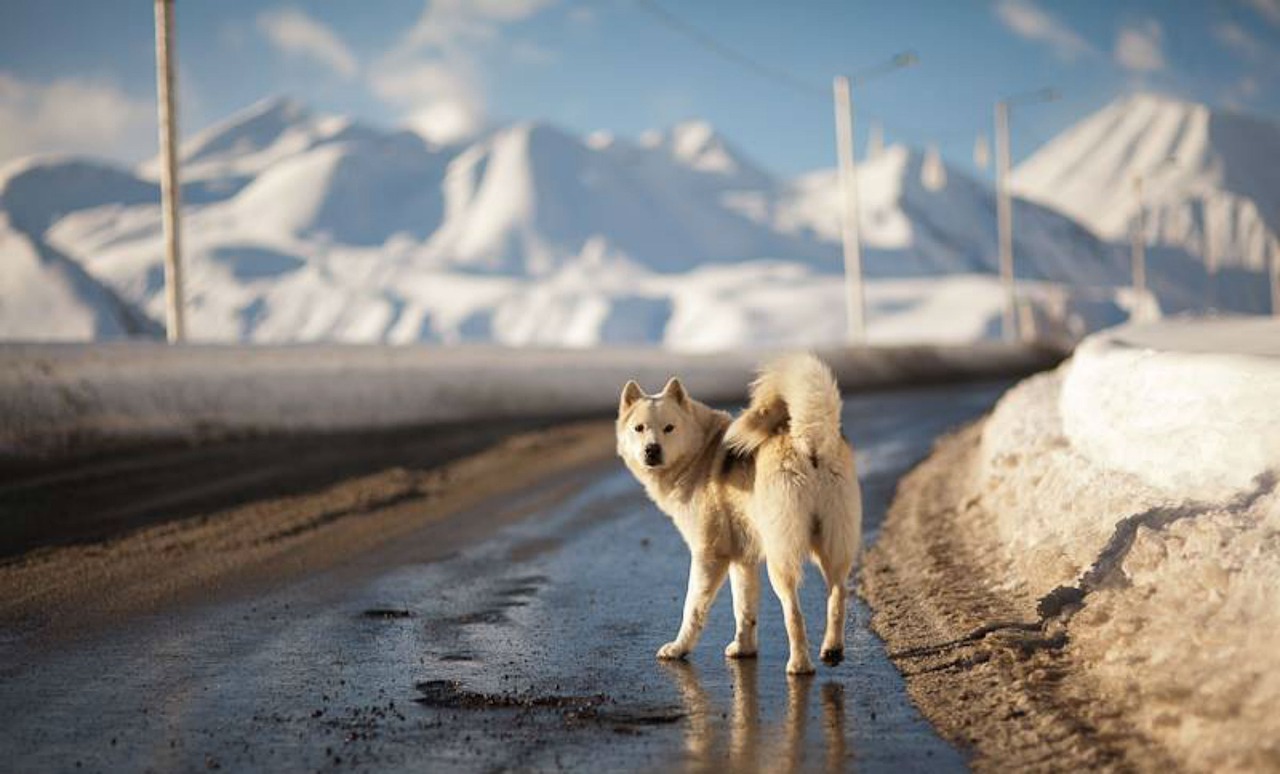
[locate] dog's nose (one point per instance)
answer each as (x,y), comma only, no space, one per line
(653,454)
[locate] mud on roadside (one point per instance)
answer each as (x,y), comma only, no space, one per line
(979,661)
(61,590)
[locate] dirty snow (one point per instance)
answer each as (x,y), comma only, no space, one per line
(1143,473)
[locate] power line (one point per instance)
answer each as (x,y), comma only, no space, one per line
(786,78)
(707,42)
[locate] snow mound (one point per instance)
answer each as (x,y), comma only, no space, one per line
(1140,483)
(1192,409)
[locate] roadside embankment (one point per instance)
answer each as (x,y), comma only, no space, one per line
(1091,575)
(64,399)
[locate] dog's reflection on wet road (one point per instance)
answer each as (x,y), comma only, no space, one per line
(737,739)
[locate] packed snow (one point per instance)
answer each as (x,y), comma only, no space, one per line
(300,226)
(1144,472)
(1192,410)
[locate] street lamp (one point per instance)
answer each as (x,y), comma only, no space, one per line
(1004,206)
(170,189)
(1139,244)
(1274,266)
(849,224)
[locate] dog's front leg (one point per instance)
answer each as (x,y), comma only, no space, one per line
(706,575)
(744,580)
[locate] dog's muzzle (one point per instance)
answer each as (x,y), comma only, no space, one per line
(653,455)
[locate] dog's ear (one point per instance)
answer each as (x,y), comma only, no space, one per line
(675,391)
(630,394)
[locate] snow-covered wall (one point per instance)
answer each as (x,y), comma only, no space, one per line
(72,398)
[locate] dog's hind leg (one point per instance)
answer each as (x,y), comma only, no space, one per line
(744,580)
(786,584)
(706,576)
(836,573)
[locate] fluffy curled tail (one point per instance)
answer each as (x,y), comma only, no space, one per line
(796,394)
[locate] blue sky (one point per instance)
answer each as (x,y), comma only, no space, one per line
(78,75)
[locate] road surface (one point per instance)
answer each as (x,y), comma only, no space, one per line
(517,634)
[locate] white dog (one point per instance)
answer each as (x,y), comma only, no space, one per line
(777,484)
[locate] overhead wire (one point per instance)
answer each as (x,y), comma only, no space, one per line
(779,75)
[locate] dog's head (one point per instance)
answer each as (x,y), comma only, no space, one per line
(656,431)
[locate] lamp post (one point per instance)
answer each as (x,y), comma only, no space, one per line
(1138,245)
(170,192)
(1274,269)
(1004,204)
(1138,252)
(850,238)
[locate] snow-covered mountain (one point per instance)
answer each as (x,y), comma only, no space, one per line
(909,228)
(299,226)
(1211,186)
(44,293)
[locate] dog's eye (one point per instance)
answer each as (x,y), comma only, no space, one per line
(668,428)
(639,428)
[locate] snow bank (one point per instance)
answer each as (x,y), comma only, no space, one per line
(1138,483)
(1191,409)
(74,398)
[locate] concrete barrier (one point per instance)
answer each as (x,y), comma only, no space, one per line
(73,399)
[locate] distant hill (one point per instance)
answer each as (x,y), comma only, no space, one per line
(300,226)
(1211,184)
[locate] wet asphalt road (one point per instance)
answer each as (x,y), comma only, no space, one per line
(527,647)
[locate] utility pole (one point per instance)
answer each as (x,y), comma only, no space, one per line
(1139,240)
(1004,223)
(1004,205)
(1210,259)
(1275,278)
(170,190)
(849,236)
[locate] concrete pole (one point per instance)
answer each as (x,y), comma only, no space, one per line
(1210,259)
(1275,278)
(1139,241)
(849,224)
(1004,222)
(170,190)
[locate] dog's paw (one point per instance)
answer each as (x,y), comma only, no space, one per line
(833,655)
(800,666)
(673,650)
(737,650)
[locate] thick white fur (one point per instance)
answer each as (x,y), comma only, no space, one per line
(777,485)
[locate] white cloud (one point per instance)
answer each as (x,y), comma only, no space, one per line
(1246,88)
(1029,21)
(441,101)
(1239,40)
(433,73)
(1138,47)
(454,24)
(74,115)
(582,15)
(296,34)
(1267,9)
